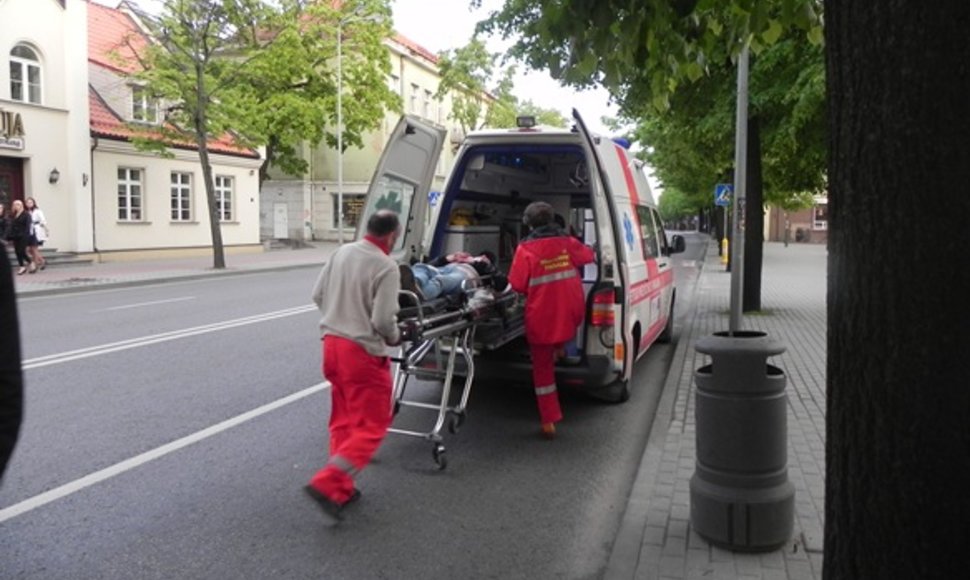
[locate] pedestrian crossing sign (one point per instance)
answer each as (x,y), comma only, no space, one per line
(722,194)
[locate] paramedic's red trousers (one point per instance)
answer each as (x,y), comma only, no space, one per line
(544,380)
(360,413)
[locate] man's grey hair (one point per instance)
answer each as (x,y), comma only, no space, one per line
(383,222)
(538,214)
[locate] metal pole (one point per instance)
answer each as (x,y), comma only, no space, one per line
(340,137)
(740,178)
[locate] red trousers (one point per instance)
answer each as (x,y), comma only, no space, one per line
(544,380)
(360,413)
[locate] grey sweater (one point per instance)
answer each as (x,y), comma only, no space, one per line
(357,294)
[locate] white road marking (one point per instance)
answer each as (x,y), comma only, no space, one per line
(140,304)
(87,352)
(139,460)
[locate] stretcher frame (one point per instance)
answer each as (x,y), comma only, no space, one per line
(449,336)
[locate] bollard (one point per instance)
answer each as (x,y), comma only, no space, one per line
(740,495)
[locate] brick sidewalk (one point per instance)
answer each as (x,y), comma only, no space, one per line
(655,540)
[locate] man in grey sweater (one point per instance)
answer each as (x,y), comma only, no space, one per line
(357,293)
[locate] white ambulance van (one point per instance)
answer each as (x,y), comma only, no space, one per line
(596,187)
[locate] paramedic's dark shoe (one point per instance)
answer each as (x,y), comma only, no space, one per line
(353,497)
(549,430)
(331,509)
(408,283)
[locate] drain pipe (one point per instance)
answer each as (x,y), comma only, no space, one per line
(94,221)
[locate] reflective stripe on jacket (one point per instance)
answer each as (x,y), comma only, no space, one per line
(546,270)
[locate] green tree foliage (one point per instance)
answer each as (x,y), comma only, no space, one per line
(263,73)
(692,142)
(665,43)
(482,91)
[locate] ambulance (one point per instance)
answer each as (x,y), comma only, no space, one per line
(600,195)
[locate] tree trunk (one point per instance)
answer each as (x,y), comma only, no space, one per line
(898,377)
(201,139)
(754,222)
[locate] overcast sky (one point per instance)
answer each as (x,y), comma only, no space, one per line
(420,20)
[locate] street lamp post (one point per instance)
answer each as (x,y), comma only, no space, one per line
(352,17)
(340,135)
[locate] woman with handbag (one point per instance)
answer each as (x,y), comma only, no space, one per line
(19,234)
(38,234)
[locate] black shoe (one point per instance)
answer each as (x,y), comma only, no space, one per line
(331,509)
(353,497)
(408,283)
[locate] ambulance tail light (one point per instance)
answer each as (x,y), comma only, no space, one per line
(603,301)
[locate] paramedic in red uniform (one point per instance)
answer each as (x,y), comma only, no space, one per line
(357,294)
(546,269)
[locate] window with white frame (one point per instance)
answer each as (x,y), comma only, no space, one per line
(428,103)
(394,83)
(25,83)
(181,196)
(820,216)
(130,195)
(413,104)
(143,107)
(224,197)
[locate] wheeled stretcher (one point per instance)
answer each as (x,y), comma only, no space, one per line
(440,344)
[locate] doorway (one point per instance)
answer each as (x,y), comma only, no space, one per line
(11,180)
(281,226)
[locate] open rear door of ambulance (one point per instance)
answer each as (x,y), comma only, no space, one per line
(402,181)
(622,357)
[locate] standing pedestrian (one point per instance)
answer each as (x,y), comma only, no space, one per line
(11,372)
(39,235)
(546,269)
(19,234)
(4,226)
(357,293)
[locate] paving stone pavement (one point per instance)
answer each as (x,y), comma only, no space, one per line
(655,540)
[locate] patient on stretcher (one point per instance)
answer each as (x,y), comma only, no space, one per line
(448,276)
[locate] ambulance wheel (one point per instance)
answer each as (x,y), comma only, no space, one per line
(457,420)
(668,332)
(616,392)
(440,461)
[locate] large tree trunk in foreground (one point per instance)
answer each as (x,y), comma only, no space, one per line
(898,420)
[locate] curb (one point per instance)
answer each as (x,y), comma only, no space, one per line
(30,293)
(625,555)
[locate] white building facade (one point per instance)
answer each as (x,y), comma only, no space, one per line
(68,111)
(44,123)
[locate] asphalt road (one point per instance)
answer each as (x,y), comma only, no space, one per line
(170,429)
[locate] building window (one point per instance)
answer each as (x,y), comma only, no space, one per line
(181,188)
(143,107)
(224,197)
(353,206)
(413,104)
(394,83)
(821,217)
(130,194)
(428,109)
(24,75)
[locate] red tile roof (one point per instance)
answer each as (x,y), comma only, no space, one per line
(415,48)
(111,32)
(113,35)
(106,123)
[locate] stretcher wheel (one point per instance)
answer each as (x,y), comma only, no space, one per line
(440,461)
(397,407)
(457,420)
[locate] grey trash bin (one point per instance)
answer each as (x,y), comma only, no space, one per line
(740,495)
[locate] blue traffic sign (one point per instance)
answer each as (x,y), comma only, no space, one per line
(723,193)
